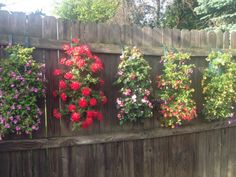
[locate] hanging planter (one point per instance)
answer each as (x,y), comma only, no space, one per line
(175,90)
(21,86)
(80,86)
(134,103)
(219,86)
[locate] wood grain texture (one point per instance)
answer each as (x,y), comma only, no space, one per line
(12,145)
(199,154)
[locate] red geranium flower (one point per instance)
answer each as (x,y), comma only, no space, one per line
(82,102)
(62,61)
(72,108)
(101,81)
(81,63)
(91,113)
(57,72)
(95,67)
(104,100)
(84,124)
(54,93)
(75,85)
(63,96)
(56,114)
(75,117)
(62,84)
(87,122)
(75,41)
(68,75)
(99,116)
(86,91)
(93,102)
(69,63)
(66,47)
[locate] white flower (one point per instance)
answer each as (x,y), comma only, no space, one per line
(134,98)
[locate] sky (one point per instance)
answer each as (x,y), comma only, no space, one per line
(29,5)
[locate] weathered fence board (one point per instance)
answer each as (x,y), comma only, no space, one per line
(208,153)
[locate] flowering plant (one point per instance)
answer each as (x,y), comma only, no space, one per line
(79,86)
(21,86)
(219,86)
(175,92)
(134,79)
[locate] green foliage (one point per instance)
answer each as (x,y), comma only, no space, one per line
(135,87)
(180,14)
(87,10)
(217,13)
(219,86)
(175,92)
(22,84)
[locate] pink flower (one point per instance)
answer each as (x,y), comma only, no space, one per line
(127,92)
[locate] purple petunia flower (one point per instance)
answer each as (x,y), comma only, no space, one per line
(18,128)
(19,107)
(7,125)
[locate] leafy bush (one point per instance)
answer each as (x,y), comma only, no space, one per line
(175,92)
(21,86)
(219,86)
(135,87)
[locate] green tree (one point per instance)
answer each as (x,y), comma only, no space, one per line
(181,14)
(217,13)
(87,10)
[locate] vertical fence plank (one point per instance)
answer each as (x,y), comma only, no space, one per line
(115,34)
(147,36)
(103,33)
(128,158)
(64,33)
(157,37)
(195,39)
(203,39)
(75,29)
(211,39)
(233,40)
(226,41)
(34,25)
(49,28)
(127,35)
(219,39)
(4,21)
(5,167)
(185,38)
(176,38)
(167,37)
(137,36)
(148,158)
(64,29)
(88,32)
(17,21)
(138,158)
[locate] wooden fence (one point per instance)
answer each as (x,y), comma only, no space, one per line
(198,150)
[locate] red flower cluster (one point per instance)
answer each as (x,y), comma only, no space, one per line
(80,96)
